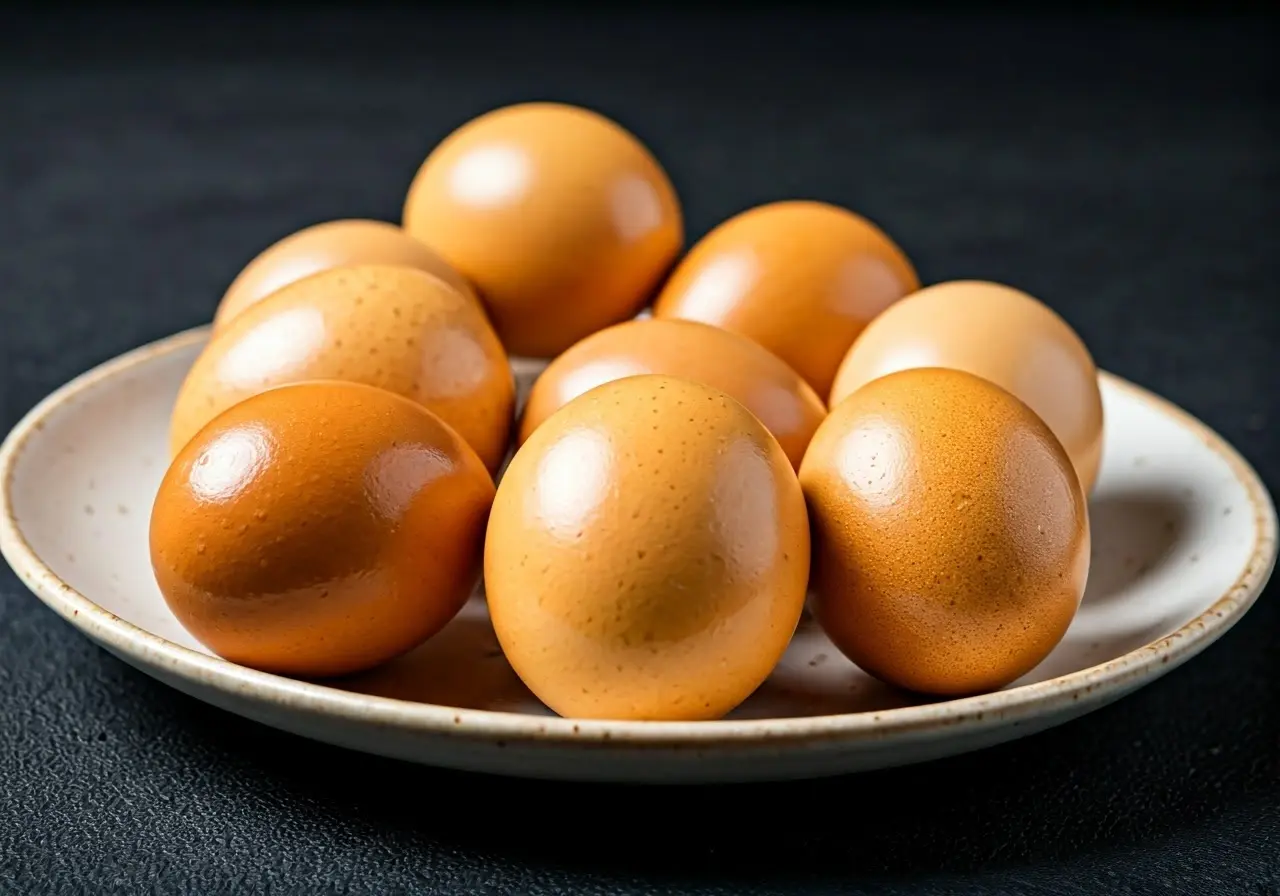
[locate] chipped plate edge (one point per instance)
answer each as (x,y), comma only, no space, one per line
(1086,688)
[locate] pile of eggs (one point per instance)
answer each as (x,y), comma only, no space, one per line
(781,417)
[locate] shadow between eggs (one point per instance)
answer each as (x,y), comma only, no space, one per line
(462,666)
(1135,533)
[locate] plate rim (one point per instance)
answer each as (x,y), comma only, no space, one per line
(1090,685)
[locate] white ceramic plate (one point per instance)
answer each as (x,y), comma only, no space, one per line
(1184,538)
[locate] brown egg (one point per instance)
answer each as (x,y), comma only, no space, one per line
(950,534)
(397,328)
(1002,335)
(801,278)
(647,553)
(319,529)
(771,390)
(562,219)
(329,245)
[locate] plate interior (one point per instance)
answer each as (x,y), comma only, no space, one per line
(1172,530)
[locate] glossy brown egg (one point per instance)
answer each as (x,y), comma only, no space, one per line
(397,328)
(561,218)
(328,245)
(800,278)
(761,381)
(647,553)
(1000,334)
(950,533)
(319,529)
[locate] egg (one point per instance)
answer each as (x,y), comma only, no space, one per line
(765,385)
(950,533)
(647,553)
(328,245)
(562,219)
(397,328)
(1001,334)
(801,278)
(319,529)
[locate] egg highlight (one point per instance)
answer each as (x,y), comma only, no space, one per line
(761,381)
(647,553)
(394,327)
(561,218)
(319,529)
(951,536)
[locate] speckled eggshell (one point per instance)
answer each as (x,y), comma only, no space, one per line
(951,536)
(1001,334)
(328,245)
(771,390)
(801,278)
(647,553)
(562,219)
(319,529)
(397,328)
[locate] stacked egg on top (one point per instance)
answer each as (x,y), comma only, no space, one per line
(796,418)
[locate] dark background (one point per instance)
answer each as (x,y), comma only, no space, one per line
(1123,170)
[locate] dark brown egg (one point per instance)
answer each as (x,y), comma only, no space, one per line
(319,529)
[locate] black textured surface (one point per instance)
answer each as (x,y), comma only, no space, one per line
(1125,172)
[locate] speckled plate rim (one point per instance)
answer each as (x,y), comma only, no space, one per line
(1095,684)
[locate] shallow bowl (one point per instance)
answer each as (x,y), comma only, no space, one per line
(1184,537)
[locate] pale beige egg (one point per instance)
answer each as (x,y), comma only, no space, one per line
(1001,334)
(330,244)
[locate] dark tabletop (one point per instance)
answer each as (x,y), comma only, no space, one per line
(1125,172)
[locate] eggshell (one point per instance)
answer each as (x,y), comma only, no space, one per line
(771,390)
(319,529)
(397,328)
(950,533)
(560,217)
(801,278)
(1002,335)
(329,245)
(647,553)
